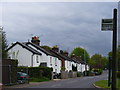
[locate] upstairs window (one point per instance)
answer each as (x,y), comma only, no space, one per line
(37,60)
(55,61)
(69,63)
(50,61)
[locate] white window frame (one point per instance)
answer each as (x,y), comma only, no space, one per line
(50,61)
(55,61)
(37,60)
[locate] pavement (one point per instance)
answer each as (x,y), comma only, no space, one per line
(25,85)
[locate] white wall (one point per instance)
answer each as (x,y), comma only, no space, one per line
(24,57)
(68,65)
(36,60)
(20,53)
(50,60)
(79,67)
(83,67)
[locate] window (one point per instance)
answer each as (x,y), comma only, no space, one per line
(55,61)
(43,64)
(37,59)
(13,55)
(69,63)
(56,70)
(51,61)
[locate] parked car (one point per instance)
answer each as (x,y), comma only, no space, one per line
(22,77)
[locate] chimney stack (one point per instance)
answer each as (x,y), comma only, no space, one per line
(73,56)
(35,40)
(65,53)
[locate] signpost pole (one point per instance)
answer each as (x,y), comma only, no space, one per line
(109,72)
(114,48)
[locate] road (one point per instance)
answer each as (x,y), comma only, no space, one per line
(81,82)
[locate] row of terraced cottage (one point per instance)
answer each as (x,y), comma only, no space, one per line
(31,54)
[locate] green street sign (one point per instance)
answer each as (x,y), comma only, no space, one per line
(107,25)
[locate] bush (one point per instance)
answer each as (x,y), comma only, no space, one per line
(97,71)
(37,72)
(87,73)
(118,74)
(79,74)
(39,79)
(63,68)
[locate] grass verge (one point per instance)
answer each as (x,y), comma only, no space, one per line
(104,83)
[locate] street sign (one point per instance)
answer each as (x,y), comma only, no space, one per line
(107,25)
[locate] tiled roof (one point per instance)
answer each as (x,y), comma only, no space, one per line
(47,52)
(60,55)
(26,47)
(39,48)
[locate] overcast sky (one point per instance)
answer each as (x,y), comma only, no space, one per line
(67,25)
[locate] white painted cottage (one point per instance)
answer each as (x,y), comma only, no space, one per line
(25,55)
(32,55)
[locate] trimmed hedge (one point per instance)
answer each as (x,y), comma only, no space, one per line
(37,72)
(79,74)
(87,73)
(118,74)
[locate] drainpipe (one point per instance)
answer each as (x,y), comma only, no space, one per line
(32,60)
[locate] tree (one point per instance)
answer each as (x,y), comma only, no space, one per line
(4,44)
(118,56)
(82,53)
(98,62)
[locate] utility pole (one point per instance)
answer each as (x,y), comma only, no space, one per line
(114,49)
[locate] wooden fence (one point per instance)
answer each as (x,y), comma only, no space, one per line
(9,71)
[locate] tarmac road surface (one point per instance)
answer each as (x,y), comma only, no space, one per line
(81,82)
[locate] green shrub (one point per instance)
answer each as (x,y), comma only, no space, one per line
(118,74)
(79,74)
(87,73)
(37,72)
(63,68)
(97,71)
(39,79)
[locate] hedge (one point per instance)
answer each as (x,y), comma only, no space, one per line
(118,74)
(37,72)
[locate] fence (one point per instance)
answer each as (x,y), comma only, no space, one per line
(9,75)
(66,74)
(9,72)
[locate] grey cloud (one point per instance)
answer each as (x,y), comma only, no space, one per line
(65,24)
